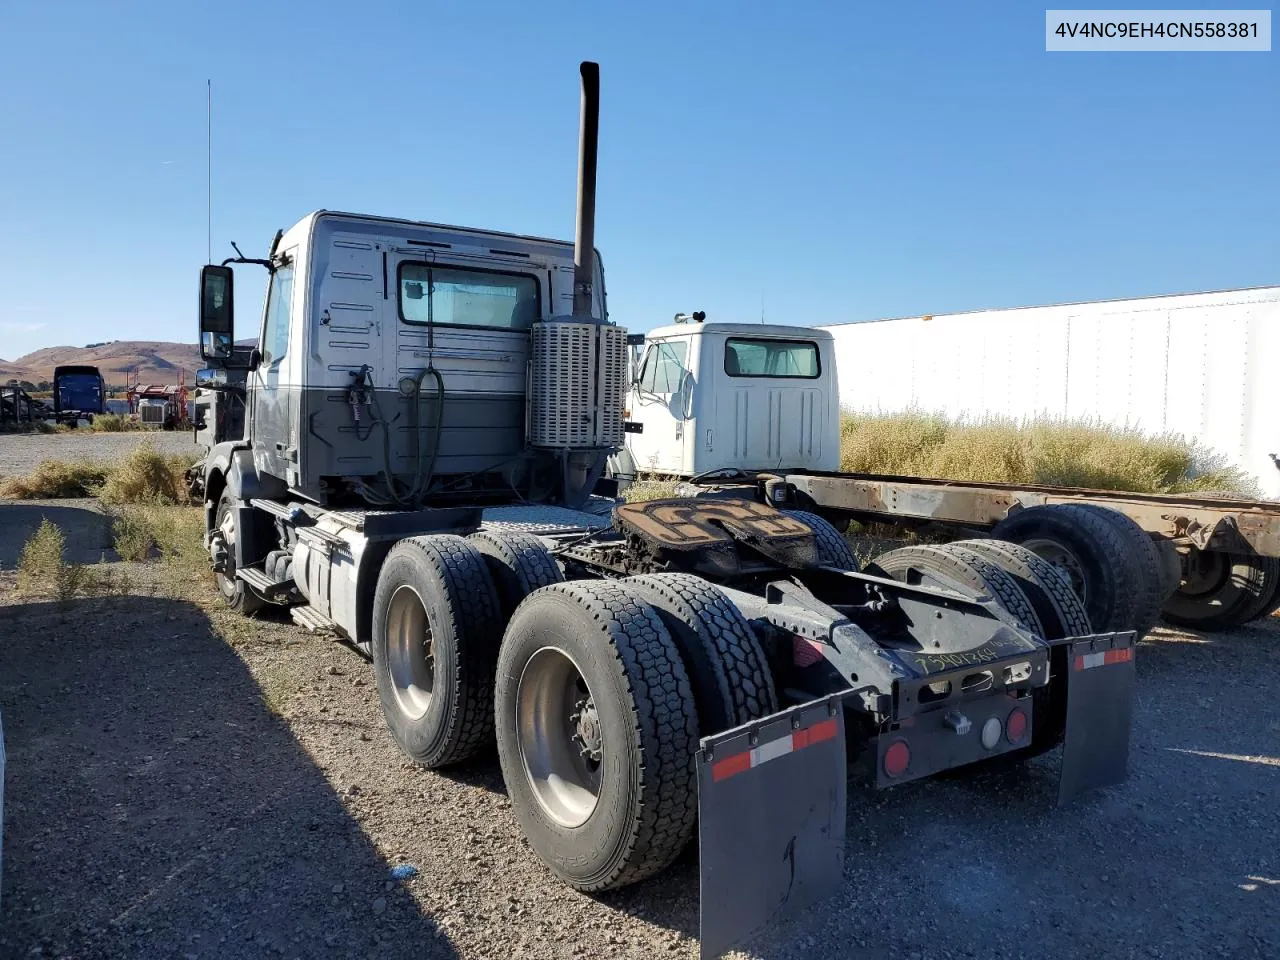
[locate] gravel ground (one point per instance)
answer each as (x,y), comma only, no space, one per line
(182,783)
(21,452)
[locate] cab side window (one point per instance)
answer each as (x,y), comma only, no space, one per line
(275,334)
(664,367)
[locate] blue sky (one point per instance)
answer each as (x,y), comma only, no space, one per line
(835,161)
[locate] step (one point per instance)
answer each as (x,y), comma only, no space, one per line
(263,584)
(312,619)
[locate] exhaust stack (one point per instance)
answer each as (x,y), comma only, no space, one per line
(584,236)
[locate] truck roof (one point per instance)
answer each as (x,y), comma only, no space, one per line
(423,224)
(740,330)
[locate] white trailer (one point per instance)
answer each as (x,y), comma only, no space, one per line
(1191,364)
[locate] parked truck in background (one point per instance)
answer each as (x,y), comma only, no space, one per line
(738,408)
(407,458)
(79,393)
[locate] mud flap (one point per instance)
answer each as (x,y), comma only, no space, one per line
(1100,684)
(771,814)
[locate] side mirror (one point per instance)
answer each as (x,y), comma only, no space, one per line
(217,312)
(211,378)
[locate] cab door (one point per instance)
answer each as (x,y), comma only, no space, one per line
(273,402)
(659,399)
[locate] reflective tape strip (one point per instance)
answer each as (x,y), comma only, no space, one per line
(1090,660)
(797,740)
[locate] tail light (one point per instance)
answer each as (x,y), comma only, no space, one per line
(1015,727)
(897,758)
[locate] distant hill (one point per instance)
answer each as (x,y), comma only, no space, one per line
(156,361)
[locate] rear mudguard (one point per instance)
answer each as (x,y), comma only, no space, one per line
(771,813)
(1100,679)
(772,793)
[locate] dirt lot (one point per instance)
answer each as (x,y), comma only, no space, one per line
(21,452)
(185,784)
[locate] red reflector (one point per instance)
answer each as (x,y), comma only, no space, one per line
(897,758)
(738,763)
(1015,728)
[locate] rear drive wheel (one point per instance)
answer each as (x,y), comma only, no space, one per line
(1060,611)
(1092,555)
(239,596)
(597,731)
(435,635)
(833,549)
(953,567)
(727,668)
(1222,589)
(519,563)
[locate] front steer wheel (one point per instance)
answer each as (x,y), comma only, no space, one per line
(597,733)
(435,627)
(237,594)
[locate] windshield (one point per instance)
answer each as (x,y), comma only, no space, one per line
(79,391)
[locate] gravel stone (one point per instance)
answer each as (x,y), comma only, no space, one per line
(106,704)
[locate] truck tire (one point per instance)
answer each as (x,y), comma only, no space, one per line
(1060,611)
(1224,590)
(727,668)
(1063,615)
(237,594)
(436,624)
(833,549)
(597,733)
(953,566)
(519,564)
(1142,548)
(1091,554)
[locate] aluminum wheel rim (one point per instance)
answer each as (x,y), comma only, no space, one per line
(558,732)
(227,577)
(1054,553)
(410,656)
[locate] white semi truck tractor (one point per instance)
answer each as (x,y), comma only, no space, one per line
(407,458)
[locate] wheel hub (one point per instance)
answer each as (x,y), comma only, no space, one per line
(560,736)
(586,724)
(218,552)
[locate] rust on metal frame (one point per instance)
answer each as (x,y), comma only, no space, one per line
(688,525)
(1206,523)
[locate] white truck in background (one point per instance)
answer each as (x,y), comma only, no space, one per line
(715,396)
(1192,364)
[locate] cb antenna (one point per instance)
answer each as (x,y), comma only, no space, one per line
(208,169)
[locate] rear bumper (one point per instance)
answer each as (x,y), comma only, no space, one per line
(952,736)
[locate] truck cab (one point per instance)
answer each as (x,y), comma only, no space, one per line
(712,396)
(394,354)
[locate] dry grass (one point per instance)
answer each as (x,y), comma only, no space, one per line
(172,534)
(649,490)
(43,569)
(145,476)
(114,423)
(1063,453)
(57,479)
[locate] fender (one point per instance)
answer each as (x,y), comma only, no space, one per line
(230,468)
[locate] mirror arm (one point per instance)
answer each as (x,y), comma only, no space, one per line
(270,265)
